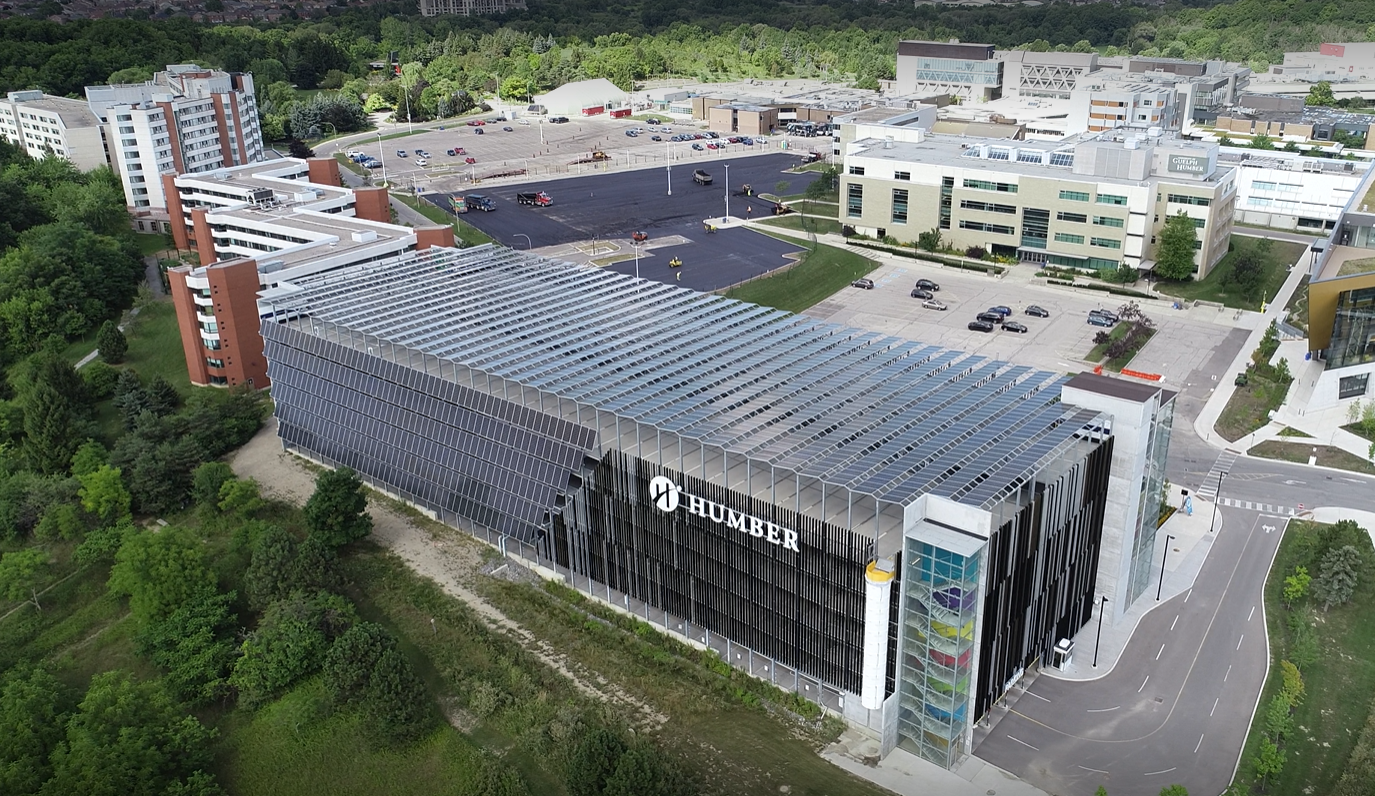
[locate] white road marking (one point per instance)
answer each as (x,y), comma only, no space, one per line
(1024,743)
(1240,640)
(1143,684)
(1253,613)
(1094,770)
(1229,671)
(1153,773)
(1175,622)
(1215,701)
(1038,696)
(1162,651)
(1188,595)
(1197,745)
(1104,710)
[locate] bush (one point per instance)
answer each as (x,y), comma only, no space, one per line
(289,644)
(100,380)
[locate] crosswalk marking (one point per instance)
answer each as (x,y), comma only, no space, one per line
(1208,489)
(1263,508)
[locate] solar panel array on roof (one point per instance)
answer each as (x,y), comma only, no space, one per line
(880,415)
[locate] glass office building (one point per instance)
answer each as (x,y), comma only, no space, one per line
(894,529)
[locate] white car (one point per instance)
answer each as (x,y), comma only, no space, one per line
(525,122)
(421,162)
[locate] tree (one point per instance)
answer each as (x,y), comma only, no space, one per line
(160,571)
(103,494)
(289,644)
(298,149)
(195,647)
(1102,791)
(22,574)
(1263,141)
(930,240)
(163,398)
(643,771)
(207,480)
(271,574)
(1268,762)
(1292,687)
(1296,586)
(240,497)
(1174,257)
(1248,271)
(1174,790)
(1320,95)
(1337,575)
(128,737)
(91,456)
(398,703)
(593,762)
(55,414)
(1279,719)
(349,664)
(111,343)
(337,512)
(33,710)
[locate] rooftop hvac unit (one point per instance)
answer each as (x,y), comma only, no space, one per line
(222,175)
(364,236)
(260,195)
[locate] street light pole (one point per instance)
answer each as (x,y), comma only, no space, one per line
(1163,556)
(727,192)
(1102,606)
(381,151)
(527,239)
(668,166)
(637,261)
(1216,499)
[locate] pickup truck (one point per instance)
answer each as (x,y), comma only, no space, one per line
(701,177)
(479,202)
(540,199)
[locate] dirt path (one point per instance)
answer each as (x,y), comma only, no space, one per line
(446,561)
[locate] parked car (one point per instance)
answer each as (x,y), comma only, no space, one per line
(1002,310)
(698,147)
(652,120)
(747,141)
(933,304)
(995,318)
(927,284)
(458,150)
(1101,320)
(863,284)
(1037,311)
(478,130)
(701,177)
(656,138)
(422,153)
(558,120)
(525,122)
(421,162)
(631,134)
(921,294)
(449,152)
(980,326)
(1109,314)
(401,153)
(509,129)
(1013,326)
(713,145)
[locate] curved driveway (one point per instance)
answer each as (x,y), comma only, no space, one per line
(1176,707)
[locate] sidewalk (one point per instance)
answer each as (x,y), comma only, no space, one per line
(905,773)
(1192,542)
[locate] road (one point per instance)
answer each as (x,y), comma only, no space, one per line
(1176,707)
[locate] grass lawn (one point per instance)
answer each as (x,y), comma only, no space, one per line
(818,224)
(821,272)
(1300,450)
(350,165)
(1118,332)
(155,345)
(1250,406)
(152,242)
(1337,685)
(1215,288)
(469,234)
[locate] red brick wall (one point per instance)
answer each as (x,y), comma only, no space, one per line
(372,204)
(189,325)
(174,211)
(205,243)
(425,237)
(323,171)
(234,289)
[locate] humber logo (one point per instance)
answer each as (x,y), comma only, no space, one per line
(667,496)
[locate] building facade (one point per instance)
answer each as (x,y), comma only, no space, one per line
(1341,304)
(1052,75)
(254,227)
(46,125)
(1095,202)
(894,530)
(1286,190)
(967,71)
(468,8)
(186,120)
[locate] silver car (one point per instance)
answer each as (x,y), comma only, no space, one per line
(934,304)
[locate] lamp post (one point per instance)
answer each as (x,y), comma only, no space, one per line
(1163,556)
(668,166)
(727,192)
(382,152)
(410,126)
(527,239)
(1216,499)
(1102,606)
(637,261)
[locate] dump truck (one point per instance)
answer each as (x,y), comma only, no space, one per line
(538,199)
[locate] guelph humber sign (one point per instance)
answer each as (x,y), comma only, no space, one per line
(668,497)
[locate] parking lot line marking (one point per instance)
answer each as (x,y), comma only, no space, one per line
(1253,613)
(1215,701)
(1197,745)
(1175,622)
(1143,683)
(1104,710)
(1094,770)
(1162,650)
(1229,671)
(1188,595)
(1153,773)
(1243,635)
(1038,696)
(1024,743)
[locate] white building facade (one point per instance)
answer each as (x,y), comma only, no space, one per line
(45,125)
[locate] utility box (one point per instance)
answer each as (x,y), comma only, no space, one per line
(1063,654)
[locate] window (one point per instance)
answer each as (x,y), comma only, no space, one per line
(1110,199)
(899,205)
(1353,386)
(985,185)
(1108,221)
(214,363)
(1200,223)
(1065,237)
(905,176)
(980,226)
(1077,218)
(1106,243)
(1028,156)
(1101,264)
(1264,186)
(1035,225)
(998,153)
(1074,196)
(991,207)
(1182,199)
(854,200)
(858,171)
(1062,158)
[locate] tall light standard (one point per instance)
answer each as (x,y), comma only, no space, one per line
(727,192)
(1216,500)
(410,126)
(1163,556)
(637,261)
(1102,606)
(668,166)
(381,150)
(527,239)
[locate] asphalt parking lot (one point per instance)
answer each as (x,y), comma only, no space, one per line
(597,214)
(1182,341)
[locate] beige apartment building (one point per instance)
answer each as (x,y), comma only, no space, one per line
(1094,202)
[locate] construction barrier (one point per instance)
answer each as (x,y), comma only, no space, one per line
(1136,374)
